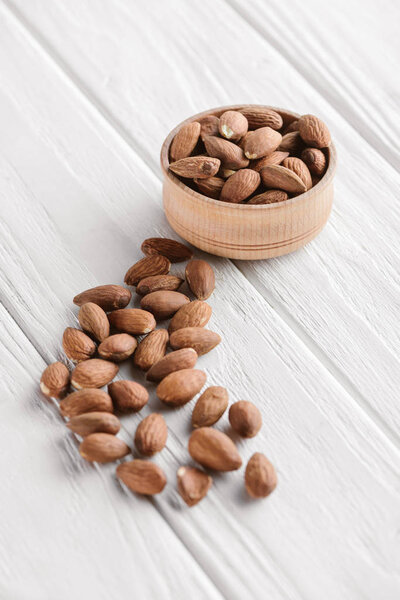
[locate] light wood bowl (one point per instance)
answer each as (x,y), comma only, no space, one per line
(244,231)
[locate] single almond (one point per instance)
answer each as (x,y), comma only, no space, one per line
(260,476)
(272,159)
(210,406)
(151,434)
(200,278)
(300,168)
(199,167)
(210,187)
(240,186)
(185,141)
(209,126)
(156,283)
(132,320)
(93,373)
(155,264)
(86,401)
(261,142)
(269,197)
(225,173)
(109,297)
(117,347)
(258,117)
(292,143)
(103,448)
(193,484)
(245,418)
(142,477)
(315,160)
(293,126)
(214,450)
(194,314)
(128,396)
(55,380)
(94,422)
(233,125)
(314,132)
(163,304)
(175,361)
(276,176)
(77,345)
(200,339)
(171,249)
(93,320)
(151,349)
(230,155)
(180,387)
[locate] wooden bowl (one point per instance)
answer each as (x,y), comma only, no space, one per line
(240,230)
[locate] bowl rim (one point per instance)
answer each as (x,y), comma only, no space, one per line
(164,160)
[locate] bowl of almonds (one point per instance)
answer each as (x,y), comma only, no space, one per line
(248,181)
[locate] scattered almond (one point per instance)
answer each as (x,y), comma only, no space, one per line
(77,345)
(93,320)
(109,297)
(128,396)
(151,349)
(272,159)
(193,484)
(233,125)
(155,264)
(175,361)
(163,304)
(142,477)
(300,168)
(117,347)
(269,197)
(260,476)
(245,418)
(185,141)
(132,320)
(210,406)
(261,142)
(196,166)
(93,373)
(194,314)
(151,434)
(240,186)
(94,422)
(314,132)
(171,249)
(214,450)
(156,283)
(180,387)
(315,160)
(276,176)
(55,380)
(230,155)
(211,186)
(86,401)
(200,339)
(200,278)
(258,117)
(103,448)
(209,126)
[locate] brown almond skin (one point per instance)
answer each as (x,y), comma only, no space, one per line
(151,349)
(214,450)
(151,435)
(185,141)
(54,382)
(128,396)
(293,126)
(300,168)
(93,319)
(210,406)
(269,197)
(193,167)
(276,176)
(132,320)
(103,448)
(200,278)
(86,401)
(230,155)
(272,159)
(245,418)
(210,187)
(180,387)
(240,186)
(261,142)
(262,117)
(163,304)
(175,361)
(94,422)
(155,264)
(156,283)
(109,297)
(93,373)
(209,126)
(200,339)
(171,249)
(315,160)
(142,477)
(77,345)
(193,484)
(117,347)
(233,125)
(194,314)
(314,132)
(260,476)
(292,143)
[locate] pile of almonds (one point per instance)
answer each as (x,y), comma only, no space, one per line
(251,155)
(111,333)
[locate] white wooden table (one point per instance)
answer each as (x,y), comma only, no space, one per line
(88,91)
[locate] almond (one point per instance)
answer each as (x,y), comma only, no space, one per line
(132,320)
(240,186)
(109,297)
(118,347)
(210,187)
(214,450)
(272,159)
(185,141)
(262,117)
(276,176)
(86,401)
(293,126)
(200,339)
(171,249)
(151,349)
(196,167)
(200,278)
(93,319)
(292,143)
(245,418)
(209,126)
(210,406)
(315,160)
(94,422)
(93,373)
(269,197)
(193,484)
(175,361)
(260,476)
(142,477)
(261,142)
(103,448)
(151,435)
(179,388)
(300,168)
(314,132)
(225,173)
(194,314)
(150,265)
(77,345)
(128,395)
(233,125)
(156,283)
(55,380)
(163,304)
(230,155)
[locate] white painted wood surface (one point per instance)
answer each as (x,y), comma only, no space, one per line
(88,91)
